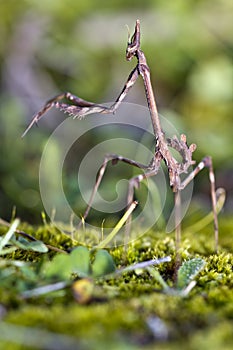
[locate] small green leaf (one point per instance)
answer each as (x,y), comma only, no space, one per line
(59,267)
(188,271)
(103,264)
(80,261)
(37,246)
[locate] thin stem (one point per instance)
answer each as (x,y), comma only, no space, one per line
(178,232)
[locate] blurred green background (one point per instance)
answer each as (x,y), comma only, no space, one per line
(49,46)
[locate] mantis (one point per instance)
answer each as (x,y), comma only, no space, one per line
(79,108)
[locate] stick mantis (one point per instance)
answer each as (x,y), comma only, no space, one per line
(80,108)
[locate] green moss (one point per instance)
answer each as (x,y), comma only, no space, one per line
(118,313)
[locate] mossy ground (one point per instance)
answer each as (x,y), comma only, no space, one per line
(118,314)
